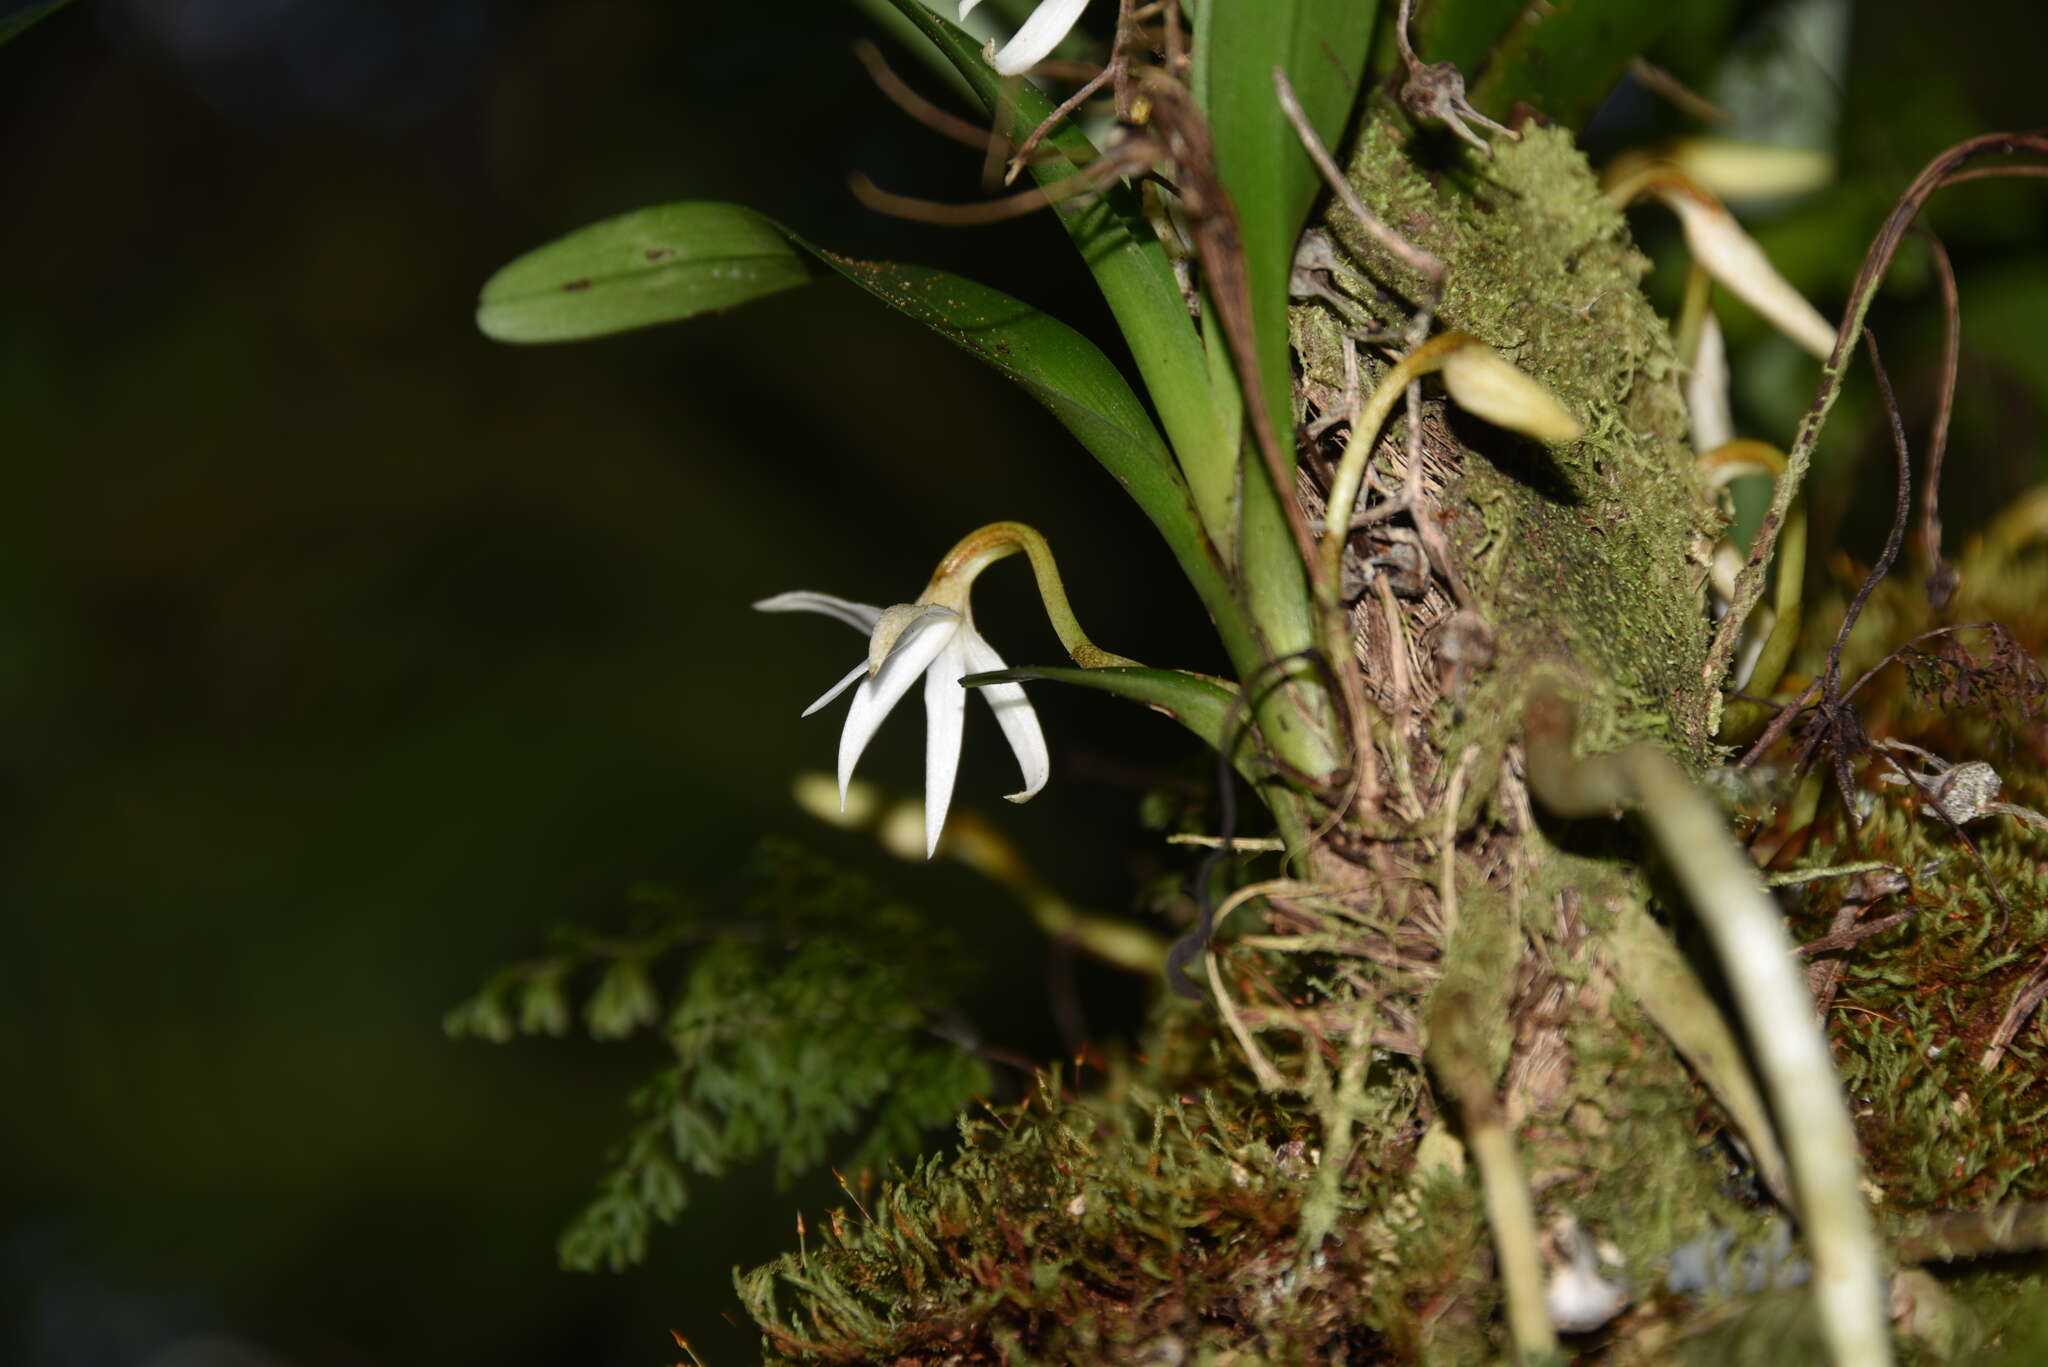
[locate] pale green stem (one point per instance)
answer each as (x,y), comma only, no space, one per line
(1792,878)
(1748,934)
(1692,314)
(1456,1056)
(984,546)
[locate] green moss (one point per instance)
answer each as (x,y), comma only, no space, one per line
(1127,1225)
(1584,558)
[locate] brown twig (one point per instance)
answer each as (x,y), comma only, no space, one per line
(1941,576)
(1864,892)
(1944,169)
(1116,74)
(1416,259)
(1090,179)
(1838,721)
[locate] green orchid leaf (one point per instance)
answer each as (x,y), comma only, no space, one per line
(18,23)
(1130,268)
(1321,45)
(1204,706)
(652,266)
(1656,974)
(674,261)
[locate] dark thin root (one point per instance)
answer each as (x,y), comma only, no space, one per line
(1941,576)
(1052,120)
(975,215)
(916,106)
(1897,655)
(1117,72)
(1950,167)
(1856,934)
(1236,723)
(1996,173)
(1894,539)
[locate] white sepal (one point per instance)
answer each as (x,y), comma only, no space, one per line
(1042,32)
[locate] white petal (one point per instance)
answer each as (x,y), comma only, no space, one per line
(859,616)
(1041,33)
(1733,257)
(1013,710)
(839,687)
(919,645)
(967,7)
(1706,389)
(945,711)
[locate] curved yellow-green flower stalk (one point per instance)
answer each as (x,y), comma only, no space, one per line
(1478,379)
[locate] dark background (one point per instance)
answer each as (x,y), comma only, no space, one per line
(344,653)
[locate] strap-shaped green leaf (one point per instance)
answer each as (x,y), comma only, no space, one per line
(1202,705)
(1321,45)
(651,266)
(674,261)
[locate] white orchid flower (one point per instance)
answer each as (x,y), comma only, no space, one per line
(1033,43)
(940,643)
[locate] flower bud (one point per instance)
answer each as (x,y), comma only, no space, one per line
(1486,385)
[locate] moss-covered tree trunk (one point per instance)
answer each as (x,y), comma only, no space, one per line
(1285,1173)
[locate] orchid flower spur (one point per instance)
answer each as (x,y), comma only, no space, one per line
(1033,43)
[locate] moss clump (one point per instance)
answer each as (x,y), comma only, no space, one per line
(1132,1224)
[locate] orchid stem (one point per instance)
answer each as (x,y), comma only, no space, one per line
(983,547)
(1692,315)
